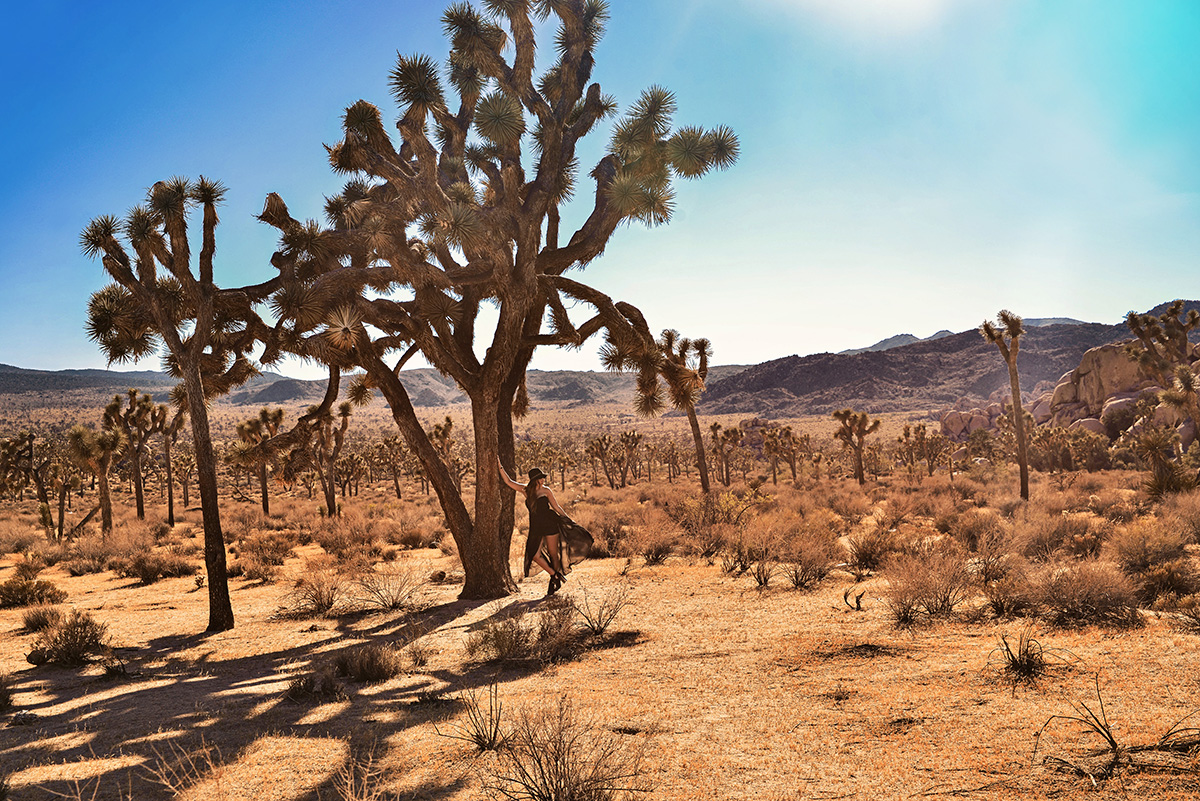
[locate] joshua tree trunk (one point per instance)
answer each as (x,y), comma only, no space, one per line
(701,459)
(1018,422)
(170,479)
(106,517)
(220,611)
(262,482)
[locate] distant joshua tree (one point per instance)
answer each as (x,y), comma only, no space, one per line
(137,420)
(1007,337)
(253,432)
(1163,349)
(95,451)
(683,365)
(855,429)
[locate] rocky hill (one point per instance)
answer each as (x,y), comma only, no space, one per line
(926,375)
(426,387)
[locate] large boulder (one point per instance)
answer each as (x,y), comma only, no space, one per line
(1088,424)
(1102,372)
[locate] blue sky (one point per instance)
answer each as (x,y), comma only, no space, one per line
(907,165)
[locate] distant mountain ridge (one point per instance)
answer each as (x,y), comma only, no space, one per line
(925,375)
(426,387)
(901,373)
(900,340)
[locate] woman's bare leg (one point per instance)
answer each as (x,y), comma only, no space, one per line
(555,552)
(541,562)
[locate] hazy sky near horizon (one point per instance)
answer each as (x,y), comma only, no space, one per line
(906,165)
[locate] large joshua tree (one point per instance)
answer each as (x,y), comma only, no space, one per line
(1007,337)
(462,210)
(156,301)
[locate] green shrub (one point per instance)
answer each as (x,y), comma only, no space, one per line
(27,592)
(1041,535)
(72,642)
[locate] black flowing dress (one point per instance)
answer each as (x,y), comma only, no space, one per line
(543,521)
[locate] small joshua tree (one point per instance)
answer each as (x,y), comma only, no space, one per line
(137,420)
(94,451)
(1007,337)
(853,433)
(253,432)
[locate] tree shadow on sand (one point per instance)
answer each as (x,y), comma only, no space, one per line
(169,706)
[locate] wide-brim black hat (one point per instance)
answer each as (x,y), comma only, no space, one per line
(536,473)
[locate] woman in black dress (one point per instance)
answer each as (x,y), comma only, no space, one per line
(545,516)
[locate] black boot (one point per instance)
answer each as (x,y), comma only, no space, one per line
(555,584)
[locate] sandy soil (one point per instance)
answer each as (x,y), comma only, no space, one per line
(732,692)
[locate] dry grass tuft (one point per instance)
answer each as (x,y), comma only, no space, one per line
(554,754)
(369,663)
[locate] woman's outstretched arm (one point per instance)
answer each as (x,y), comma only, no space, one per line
(507,479)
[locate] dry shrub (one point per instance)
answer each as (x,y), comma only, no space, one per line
(1167,581)
(974,527)
(1086,593)
(319,685)
(850,504)
(506,636)
(74,641)
(412,527)
(17,536)
(1115,505)
(318,591)
(267,547)
(151,566)
(929,582)
(600,610)
(1012,594)
(512,636)
(348,537)
(483,727)
(654,540)
(1187,613)
(369,663)
(1153,554)
(391,586)
(6,694)
(42,617)
(1040,534)
(30,565)
(554,754)
(1141,545)
(25,592)
(871,548)
(809,551)
(254,568)
(1182,511)
(558,633)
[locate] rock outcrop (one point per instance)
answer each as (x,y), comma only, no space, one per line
(1104,373)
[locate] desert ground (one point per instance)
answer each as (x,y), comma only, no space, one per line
(716,677)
